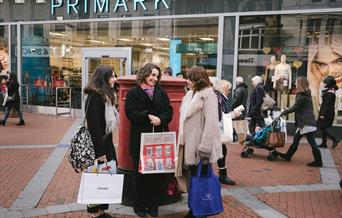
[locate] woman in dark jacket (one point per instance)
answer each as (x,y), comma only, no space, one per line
(256,100)
(327,111)
(100,122)
(304,121)
(147,107)
(13,100)
(240,95)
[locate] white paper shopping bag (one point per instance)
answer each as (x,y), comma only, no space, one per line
(99,188)
(227,135)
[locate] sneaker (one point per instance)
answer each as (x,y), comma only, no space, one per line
(153,211)
(140,212)
(314,164)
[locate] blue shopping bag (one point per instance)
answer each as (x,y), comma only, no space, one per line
(205,193)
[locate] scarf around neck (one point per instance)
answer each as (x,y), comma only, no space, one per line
(149,90)
(111,117)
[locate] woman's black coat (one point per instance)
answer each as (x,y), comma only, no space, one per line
(13,91)
(327,110)
(303,108)
(137,107)
(96,124)
(256,100)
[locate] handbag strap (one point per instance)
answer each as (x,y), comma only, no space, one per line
(86,109)
(199,169)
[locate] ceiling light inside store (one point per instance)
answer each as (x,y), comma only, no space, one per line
(147,44)
(125,39)
(206,39)
(57,34)
(163,39)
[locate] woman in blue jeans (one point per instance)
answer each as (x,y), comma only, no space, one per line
(304,121)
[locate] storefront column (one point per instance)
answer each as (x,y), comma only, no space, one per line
(236,49)
(19,67)
(220,47)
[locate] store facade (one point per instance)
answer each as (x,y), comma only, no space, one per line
(56,44)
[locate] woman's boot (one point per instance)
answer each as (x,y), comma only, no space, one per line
(224,179)
(3,122)
(318,159)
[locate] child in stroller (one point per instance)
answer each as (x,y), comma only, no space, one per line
(262,138)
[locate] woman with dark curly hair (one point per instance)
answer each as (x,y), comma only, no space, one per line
(147,107)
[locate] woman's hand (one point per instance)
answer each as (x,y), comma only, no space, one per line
(155,121)
(102,158)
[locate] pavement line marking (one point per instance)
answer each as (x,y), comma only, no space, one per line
(34,190)
(26,146)
(329,173)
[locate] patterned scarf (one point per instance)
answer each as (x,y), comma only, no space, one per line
(149,90)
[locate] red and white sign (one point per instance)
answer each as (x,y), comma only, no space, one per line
(157,152)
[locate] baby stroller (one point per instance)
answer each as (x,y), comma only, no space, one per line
(270,137)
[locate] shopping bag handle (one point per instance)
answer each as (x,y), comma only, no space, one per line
(199,170)
(97,167)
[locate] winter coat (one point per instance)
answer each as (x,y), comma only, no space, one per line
(240,97)
(303,108)
(13,92)
(202,137)
(327,110)
(138,106)
(95,116)
(256,99)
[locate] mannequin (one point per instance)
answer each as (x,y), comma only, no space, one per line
(282,79)
(269,78)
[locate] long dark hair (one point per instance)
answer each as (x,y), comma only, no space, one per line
(13,80)
(145,71)
(99,83)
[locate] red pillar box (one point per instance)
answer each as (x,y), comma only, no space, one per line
(173,86)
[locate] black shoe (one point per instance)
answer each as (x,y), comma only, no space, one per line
(226,180)
(314,164)
(21,123)
(284,156)
(153,211)
(323,146)
(140,212)
(2,122)
(105,215)
(189,215)
(335,143)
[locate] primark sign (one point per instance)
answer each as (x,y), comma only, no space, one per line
(105,6)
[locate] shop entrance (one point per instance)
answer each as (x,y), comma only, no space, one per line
(118,58)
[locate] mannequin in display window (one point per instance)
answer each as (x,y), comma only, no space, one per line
(282,78)
(269,78)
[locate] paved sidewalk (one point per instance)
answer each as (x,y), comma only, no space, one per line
(36,179)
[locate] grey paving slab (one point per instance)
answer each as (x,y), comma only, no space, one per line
(329,175)
(64,208)
(34,212)
(77,207)
(328,160)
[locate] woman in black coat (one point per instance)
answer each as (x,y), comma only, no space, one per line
(100,123)
(256,100)
(147,105)
(13,100)
(327,111)
(304,121)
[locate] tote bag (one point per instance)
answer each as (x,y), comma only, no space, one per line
(157,152)
(100,188)
(227,133)
(205,193)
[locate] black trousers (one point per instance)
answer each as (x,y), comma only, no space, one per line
(326,134)
(147,188)
(221,163)
(311,139)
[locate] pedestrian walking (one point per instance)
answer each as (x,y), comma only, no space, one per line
(148,109)
(327,111)
(12,101)
(199,137)
(256,100)
(101,121)
(222,89)
(240,95)
(304,121)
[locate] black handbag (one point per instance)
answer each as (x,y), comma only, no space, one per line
(82,153)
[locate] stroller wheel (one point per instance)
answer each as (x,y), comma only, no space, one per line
(250,150)
(244,154)
(271,157)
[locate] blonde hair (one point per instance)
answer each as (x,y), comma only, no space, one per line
(256,80)
(222,86)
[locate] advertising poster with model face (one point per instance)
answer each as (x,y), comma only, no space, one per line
(4,59)
(325,59)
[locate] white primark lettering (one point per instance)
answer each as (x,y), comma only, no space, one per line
(103,6)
